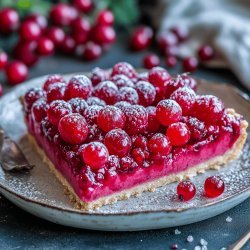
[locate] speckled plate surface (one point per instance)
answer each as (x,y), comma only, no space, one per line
(41,194)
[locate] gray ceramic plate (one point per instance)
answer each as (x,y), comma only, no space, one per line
(42,195)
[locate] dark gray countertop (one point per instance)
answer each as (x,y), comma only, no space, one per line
(20,230)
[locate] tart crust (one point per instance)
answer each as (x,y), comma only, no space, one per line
(214,163)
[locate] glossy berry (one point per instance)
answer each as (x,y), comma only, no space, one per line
(95,154)
(140,141)
(197,128)
(129,95)
(83,5)
(80,29)
(124,68)
(58,109)
(167,39)
(150,61)
(141,38)
(153,124)
(78,86)
(205,53)
(171,61)
(178,133)
(78,105)
(122,105)
(117,142)
(32,96)
(159,146)
(172,85)
(190,64)
(146,92)
(188,81)
(214,186)
(136,119)
(39,110)
(39,19)
(208,109)
(3,59)
(106,91)
(95,101)
(186,190)
(9,20)
(16,72)
(45,46)
(158,77)
(68,45)
(110,118)
(122,81)
(91,113)
(51,79)
(105,17)
(92,51)
(73,128)
(181,33)
(56,92)
(168,112)
(127,164)
(185,97)
(138,155)
(30,31)
(56,35)
(98,75)
(104,34)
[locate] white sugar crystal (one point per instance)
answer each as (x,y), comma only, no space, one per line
(197,248)
(190,238)
(223,248)
(176,231)
(204,248)
(229,219)
(203,242)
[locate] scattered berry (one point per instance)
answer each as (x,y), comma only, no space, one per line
(92,51)
(171,61)
(16,72)
(83,5)
(30,31)
(181,33)
(214,186)
(56,35)
(141,38)
(186,190)
(190,64)
(3,59)
(45,46)
(105,17)
(9,20)
(150,61)
(167,39)
(206,53)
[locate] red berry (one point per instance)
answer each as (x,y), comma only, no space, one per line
(171,61)
(91,113)
(150,61)
(73,128)
(104,34)
(68,45)
(16,72)
(127,164)
(214,186)
(110,118)
(190,64)
(92,51)
(98,75)
(141,38)
(105,17)
(39,19)
(45,46)
(83,5)
(122,105)
(172,85)
(56,92)
(181,33)
(80,30)
(39,110)
(122,81)
(30,31)
(63,14)
(136,119)
(9,20)
(128,94)
(153,124)
(95,154)
(138,155)
(140,141)
(168,112)
(58,109)
(106,91)
(171,51)
(117,142)
(205,53)
(3,59)
(56,35)
(188,81)
(51,79)
(146,92)
(79,86)
(95,101)
(78,105)
(158,77)
(209,109)
(178,133)
(185,97)
(26,52)
(186,190)
(124,68)
(32,96)
(167,39)
(159,146)
(1,89)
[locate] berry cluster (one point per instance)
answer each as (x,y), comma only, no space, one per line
(67,30)
(168,43)
(118,121)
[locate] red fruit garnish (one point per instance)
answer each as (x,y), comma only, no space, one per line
(188,81)
(105,17)
(168,112)
(73,128)
(104,34)
(45,46)
(127,164)
(146,92)
(136,119)
(30,31)
(95,101)
(172,85)
(153,124)
(150,61)
(159,146)
(186,190)
(117,142)
(78,105)
(9,20)
(122,105)
(205,53)
(78,86)
(16,72)
(138,155)
(92,51)
(32,96)
(80,30)
(110,118)
(51,79)
(181,33)
(39,19)
(209,109)
(190,64)
(141,38)
(83,5)
(171,61)
(124,68)
(129,95)
(39,110)
(140,141)
(95,154)
(98,75)
(122,81)
(214,186)
(91,113)
(58,109)
(56,35)
(158,77)
(56,91)
(178,133)
(167,39)
(68,45)
(197,128)
(3,59)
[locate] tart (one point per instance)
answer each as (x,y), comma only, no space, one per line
(119,133)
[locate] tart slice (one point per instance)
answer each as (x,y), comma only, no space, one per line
(121,133)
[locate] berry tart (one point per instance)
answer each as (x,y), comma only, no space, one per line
(119,133)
